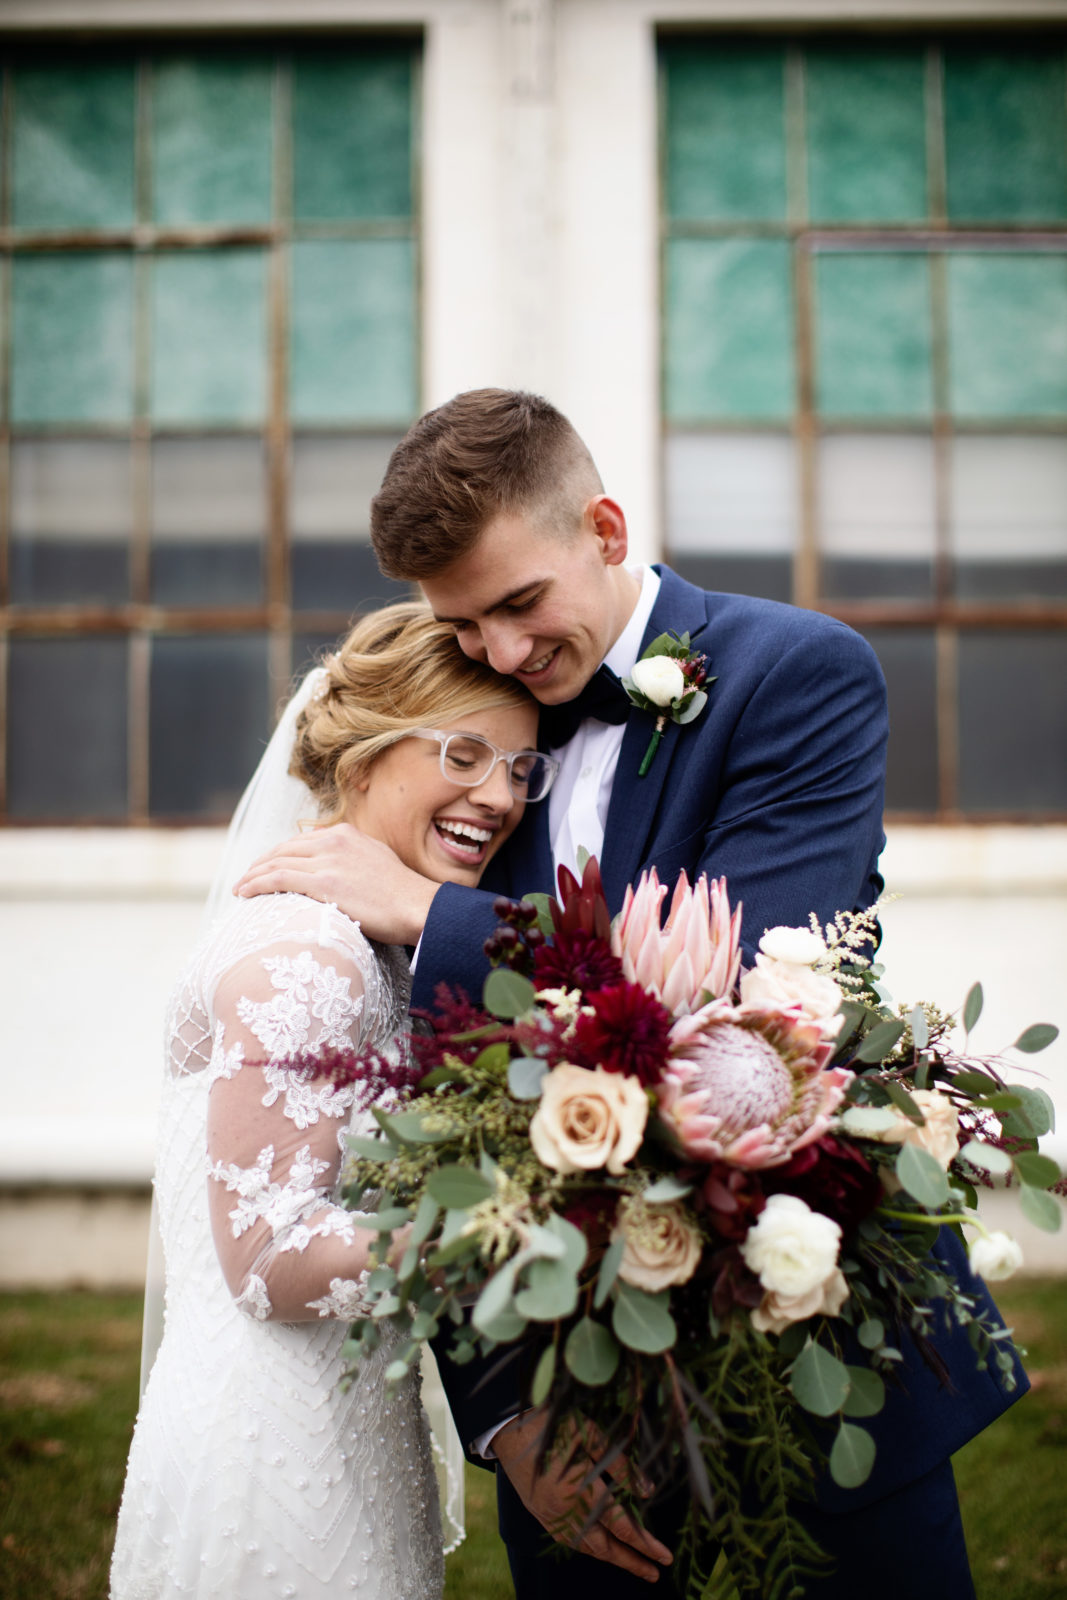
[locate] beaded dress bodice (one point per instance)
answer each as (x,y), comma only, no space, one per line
(251,1474)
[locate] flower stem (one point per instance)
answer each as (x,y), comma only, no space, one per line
(657,734)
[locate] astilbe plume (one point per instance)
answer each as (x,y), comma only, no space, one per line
(372,1073)
(628,1031)
(695,956)
(439,1032)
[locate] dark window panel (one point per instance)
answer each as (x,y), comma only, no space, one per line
(1011,580)
(227,573)
(331,575)
(909,661)
(769,577)
(67,729)
(857,578)
(69,571)
(1013,720)
(209,520)
(210,716)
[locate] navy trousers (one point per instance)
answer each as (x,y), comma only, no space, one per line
(908,1544)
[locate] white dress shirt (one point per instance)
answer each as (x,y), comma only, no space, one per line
(579,798)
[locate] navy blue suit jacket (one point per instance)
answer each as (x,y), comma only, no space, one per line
(778,784)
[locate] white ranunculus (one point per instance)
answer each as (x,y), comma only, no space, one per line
(799,946)
(792,1249)
(660,679)
(995,1258)
(588,1119)
(776,1311)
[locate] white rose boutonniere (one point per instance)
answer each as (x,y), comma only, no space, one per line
(669,680)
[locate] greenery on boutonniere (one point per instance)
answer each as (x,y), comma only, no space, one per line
(669,681)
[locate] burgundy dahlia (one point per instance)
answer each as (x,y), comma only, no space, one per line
(577,960)
(733,1199)
(830,1177)
(628,1032)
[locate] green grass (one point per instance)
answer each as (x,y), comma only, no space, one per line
(68,1392)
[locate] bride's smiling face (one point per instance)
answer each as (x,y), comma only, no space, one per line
(444,831)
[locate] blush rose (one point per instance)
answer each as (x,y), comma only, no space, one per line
(588,1119)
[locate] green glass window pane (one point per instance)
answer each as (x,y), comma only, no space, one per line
(1007,322)
(209,336)
(1006,134)
(872,335)
(865,120)
(725,131)
(211,140)
(67,703)
(73,146)
(353,331)
(72,357)
(729,329)
(352,134)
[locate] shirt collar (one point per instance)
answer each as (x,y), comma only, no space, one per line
(622,657)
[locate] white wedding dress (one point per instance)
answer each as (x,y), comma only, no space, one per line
(252,1475)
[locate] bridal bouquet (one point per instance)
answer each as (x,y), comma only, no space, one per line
(696,1203)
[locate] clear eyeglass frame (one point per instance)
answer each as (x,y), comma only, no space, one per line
(460,765)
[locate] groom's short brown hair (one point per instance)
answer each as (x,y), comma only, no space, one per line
(485,453)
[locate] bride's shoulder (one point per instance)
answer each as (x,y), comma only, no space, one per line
(263,922)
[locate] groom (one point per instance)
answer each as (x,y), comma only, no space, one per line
(493,504)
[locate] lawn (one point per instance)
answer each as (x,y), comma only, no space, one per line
(68,1391)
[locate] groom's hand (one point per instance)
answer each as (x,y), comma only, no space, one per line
(346,868)
(563,1502)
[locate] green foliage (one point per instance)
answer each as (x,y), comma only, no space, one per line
(642,1321)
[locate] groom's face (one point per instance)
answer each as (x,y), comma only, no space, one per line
(541,606)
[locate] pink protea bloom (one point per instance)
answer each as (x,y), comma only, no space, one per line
(749,1086)
(695,954)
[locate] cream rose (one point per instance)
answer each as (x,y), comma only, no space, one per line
(996,1257)
(660,1247)
(588,1119)
(776,1311)
(659,678)
(798,946)
(780,985)
(939,1132)
(791,1249)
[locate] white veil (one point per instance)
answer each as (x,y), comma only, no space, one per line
(271,809)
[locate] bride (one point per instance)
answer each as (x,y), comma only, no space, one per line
(251,1474)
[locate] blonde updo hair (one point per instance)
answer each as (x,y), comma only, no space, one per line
(398,669)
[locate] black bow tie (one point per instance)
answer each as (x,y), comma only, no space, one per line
(603,698)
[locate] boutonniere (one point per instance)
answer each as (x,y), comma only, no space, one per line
(668,680)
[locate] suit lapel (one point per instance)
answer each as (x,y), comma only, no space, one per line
(679,608)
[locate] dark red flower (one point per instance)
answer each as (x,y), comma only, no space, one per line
(453,1014)
(830,1177)
(628,1032)
(581,905)
(576,960)
(593,1215)
(734,1284)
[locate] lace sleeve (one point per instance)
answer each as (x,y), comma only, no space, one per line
(275,1138)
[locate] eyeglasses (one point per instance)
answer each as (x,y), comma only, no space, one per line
(468,760)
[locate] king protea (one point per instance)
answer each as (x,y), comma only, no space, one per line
(695,957)
(749,1086)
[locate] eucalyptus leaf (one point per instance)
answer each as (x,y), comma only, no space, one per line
(851,1456)
(551,1291)
(866,1393)
(904,1102)
(692,709)
(542,903)
(1036,1111)
(495,1298)
(1042,1208)
(879,1042)
(642,1321)
(507,994)
(1037,1037)
(458,1188)
(573,1240)
(371,1149)
(591,1353)
(609,1271)
(819,1381)
(526,1077)
(867,1122)
(383,1221)
(425,1217)
(395,1371)
(542,1242)
(920,1030)
(975,1082)
(922,1176)
(505,1328)
(408,1126)
(987,1156)
(544,1372)
(1038,1170)
(972,1006)
(871,1333)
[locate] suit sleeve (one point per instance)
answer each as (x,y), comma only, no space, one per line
(796,826)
